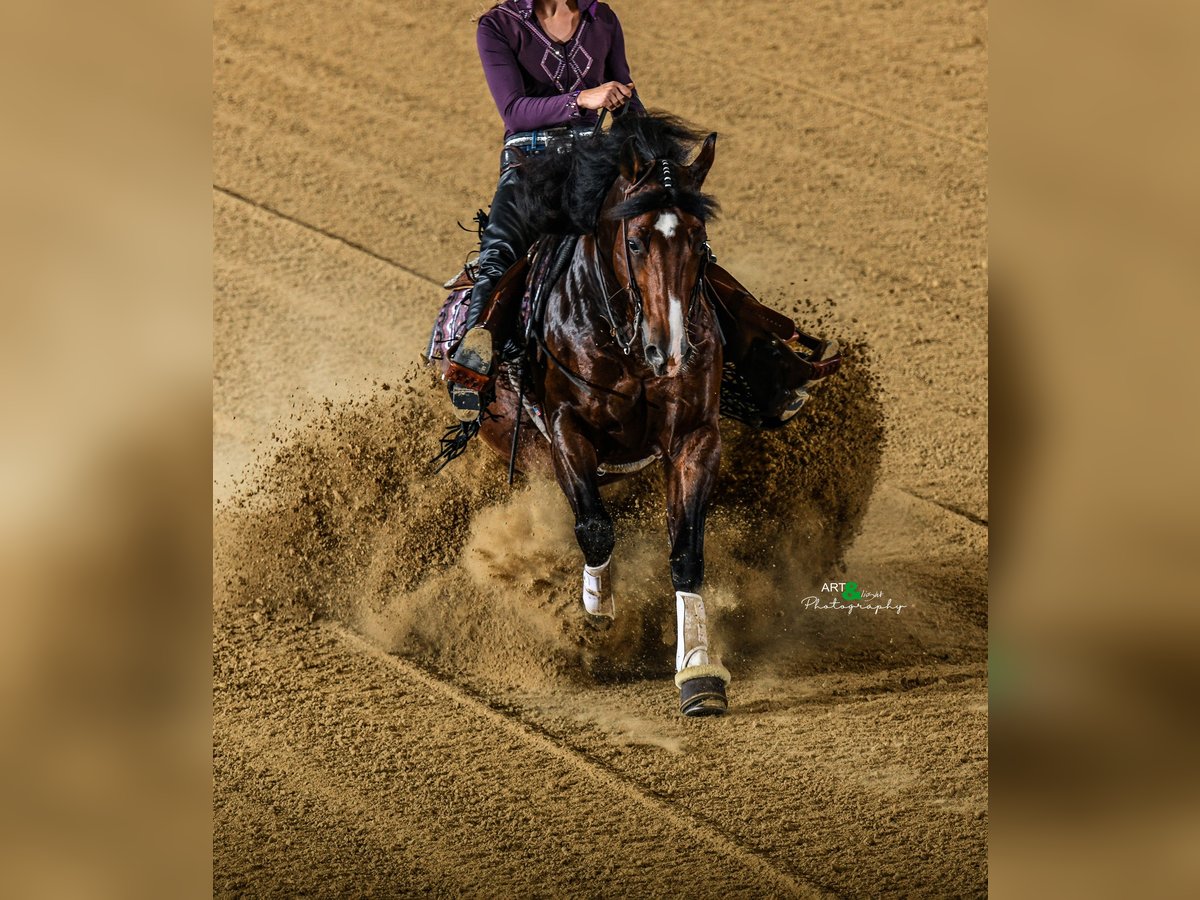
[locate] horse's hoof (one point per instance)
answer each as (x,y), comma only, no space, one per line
(702,690)
(704,696)
(798,399)
(598,624)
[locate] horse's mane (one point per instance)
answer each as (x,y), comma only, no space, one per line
(562,193)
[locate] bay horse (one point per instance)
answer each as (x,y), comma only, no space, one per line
(628,363)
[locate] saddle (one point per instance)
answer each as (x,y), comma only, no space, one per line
(768,359)
(450,324)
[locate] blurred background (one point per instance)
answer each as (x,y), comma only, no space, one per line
(1095,583)
(106,469)
(105,464)
(1095,571)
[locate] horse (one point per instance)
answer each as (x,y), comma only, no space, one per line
(626,362)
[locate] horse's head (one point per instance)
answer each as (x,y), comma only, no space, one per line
(659,247)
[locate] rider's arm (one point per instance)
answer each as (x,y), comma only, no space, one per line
(504,78)
(616,66)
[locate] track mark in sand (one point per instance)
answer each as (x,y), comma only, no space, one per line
(340,806)
(948,507)
(809,87)
(705,832)
(317,229)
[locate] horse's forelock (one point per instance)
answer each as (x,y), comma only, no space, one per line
(657,199)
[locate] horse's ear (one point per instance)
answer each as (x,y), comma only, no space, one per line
(631,166)
(704,160)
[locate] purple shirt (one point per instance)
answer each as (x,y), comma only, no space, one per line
(536,80)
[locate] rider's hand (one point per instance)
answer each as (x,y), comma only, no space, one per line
(611,95)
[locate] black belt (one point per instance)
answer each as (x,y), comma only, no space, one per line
(540,139)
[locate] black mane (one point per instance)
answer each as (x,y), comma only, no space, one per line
(561,193)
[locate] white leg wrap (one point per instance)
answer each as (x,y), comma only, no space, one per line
(597,591)
(691,643)
(692,659)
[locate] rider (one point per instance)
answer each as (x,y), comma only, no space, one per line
(551,66)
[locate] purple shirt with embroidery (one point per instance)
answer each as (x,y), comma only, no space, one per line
(536,80)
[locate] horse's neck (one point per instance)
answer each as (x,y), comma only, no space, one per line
(593,270)
(589,282)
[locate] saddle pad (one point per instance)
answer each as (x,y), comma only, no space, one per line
(449,325)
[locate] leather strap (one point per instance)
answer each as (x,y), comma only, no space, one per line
(508,290)
(461,375)
(460,281)
(744,307)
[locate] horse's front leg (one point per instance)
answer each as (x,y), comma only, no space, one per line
(691,474)
(575,468)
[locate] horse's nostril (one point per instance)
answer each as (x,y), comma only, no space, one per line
(654,356)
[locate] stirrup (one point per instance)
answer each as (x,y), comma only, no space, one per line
(830,349)
(469,372)
(466,403)
(822,358)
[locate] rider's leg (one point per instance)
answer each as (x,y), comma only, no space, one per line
(756,317)
(745,307)
(766,345)
(505,239)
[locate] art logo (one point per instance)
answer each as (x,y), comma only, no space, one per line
(854,597)
(848,589)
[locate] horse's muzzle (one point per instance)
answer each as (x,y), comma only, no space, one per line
(661,364)
(656,359)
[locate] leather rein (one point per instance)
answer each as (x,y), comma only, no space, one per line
(631,286)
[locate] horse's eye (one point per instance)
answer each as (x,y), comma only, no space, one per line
(634,245)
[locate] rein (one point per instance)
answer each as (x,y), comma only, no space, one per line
(631,286)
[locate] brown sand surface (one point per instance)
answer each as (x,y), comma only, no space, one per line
(407,697)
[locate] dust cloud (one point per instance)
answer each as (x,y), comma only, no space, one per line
(346,519)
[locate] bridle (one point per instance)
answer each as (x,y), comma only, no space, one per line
(662,168)
(630,287)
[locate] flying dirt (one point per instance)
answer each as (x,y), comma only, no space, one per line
(349,520)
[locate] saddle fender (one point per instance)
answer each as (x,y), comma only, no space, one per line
(508,291)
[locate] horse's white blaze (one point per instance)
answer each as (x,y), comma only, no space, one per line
(666,224)
(676,318)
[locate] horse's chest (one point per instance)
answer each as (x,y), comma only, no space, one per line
(631,422)
(630,416)
(643,424)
